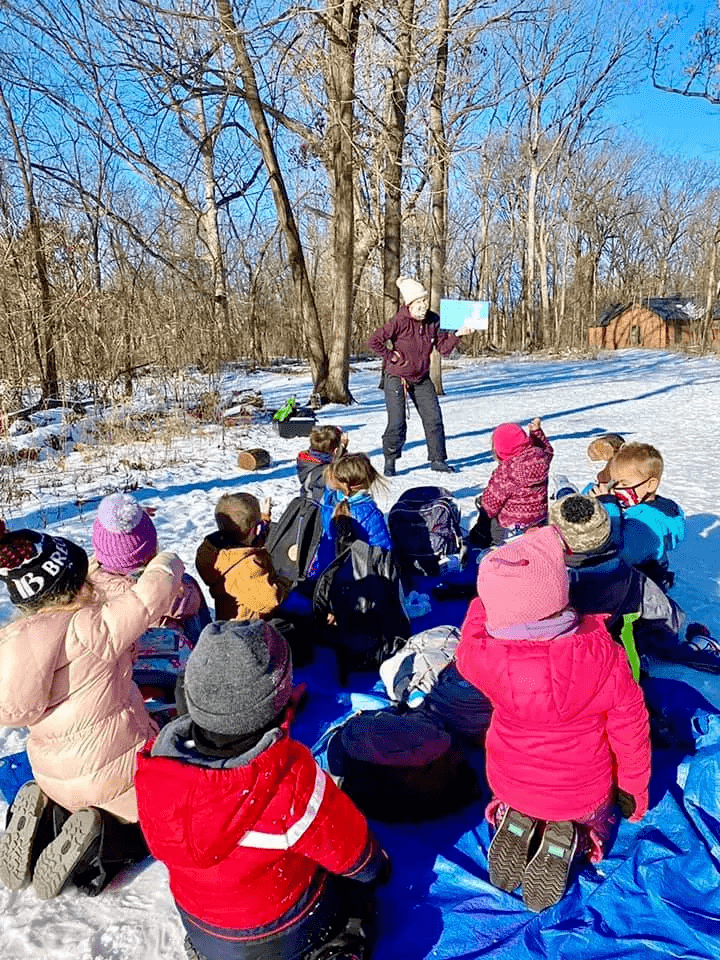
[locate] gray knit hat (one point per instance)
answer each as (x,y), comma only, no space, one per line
(583,522)
(238,678)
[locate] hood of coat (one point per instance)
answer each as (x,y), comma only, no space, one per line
(543,680)
(215,557)
(198,809)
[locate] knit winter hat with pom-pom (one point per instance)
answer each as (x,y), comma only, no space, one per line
(582,521)
(124,537)
(525,580)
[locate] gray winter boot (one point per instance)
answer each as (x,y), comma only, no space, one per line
(59,859)
(16,845)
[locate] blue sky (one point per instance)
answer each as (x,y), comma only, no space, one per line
(669,122)
(685,126)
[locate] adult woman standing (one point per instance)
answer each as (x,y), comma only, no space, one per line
(406,343)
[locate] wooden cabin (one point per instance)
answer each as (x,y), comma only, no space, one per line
(654,322)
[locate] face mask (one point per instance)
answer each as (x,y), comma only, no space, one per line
(628,496)
(418,308)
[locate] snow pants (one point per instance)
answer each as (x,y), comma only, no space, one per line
(424,397)
(340,917)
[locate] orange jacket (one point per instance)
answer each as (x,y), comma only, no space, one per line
(242,580)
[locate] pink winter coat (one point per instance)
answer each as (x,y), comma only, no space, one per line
(569,721)
(67,675)
(186,603)
(517,490)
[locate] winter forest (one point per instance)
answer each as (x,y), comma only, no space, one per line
(197,182)
(205,207)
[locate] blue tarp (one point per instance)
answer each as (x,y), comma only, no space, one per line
(656,894)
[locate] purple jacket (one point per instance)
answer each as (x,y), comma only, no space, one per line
(413,340)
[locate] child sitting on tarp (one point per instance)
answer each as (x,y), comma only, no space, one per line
(516,497)
(327,443)
(569,724)
(602,582)
(652,525)
(124,541)
(235,565)
(268,859)
(348,493)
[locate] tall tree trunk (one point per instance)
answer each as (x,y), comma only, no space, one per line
(392,174)
(531,330)
(542,261)
(306,310)
(209,230)
(711,288)
(343,19)
(45,333)
(438,161)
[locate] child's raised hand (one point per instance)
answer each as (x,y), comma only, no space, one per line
(344,440)
(266,507)
(535,424)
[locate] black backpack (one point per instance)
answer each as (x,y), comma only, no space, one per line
(361,589)
(400,767)
(293,540)
(424,526)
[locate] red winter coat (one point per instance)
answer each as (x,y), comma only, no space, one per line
(517,490)
(568,718)
(243,844)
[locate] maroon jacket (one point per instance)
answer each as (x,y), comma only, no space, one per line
(414,341)
(518,487)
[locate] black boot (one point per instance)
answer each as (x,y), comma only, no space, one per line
(389,470)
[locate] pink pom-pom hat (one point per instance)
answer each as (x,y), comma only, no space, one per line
(124,537)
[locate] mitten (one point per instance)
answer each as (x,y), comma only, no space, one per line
(168,562)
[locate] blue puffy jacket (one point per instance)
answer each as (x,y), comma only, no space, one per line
(367,523)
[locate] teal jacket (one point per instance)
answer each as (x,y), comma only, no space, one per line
(650,529)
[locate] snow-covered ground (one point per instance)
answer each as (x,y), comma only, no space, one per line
(669,400)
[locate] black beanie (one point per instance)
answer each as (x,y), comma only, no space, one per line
(36,566)
(239,677)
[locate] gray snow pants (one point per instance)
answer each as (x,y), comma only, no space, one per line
(426,403)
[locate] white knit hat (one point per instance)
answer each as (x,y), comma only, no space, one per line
(410,290)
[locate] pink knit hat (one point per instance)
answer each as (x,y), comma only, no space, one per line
(524,581)
(509,439)
(124,537)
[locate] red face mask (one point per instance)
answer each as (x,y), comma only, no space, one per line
(628,496)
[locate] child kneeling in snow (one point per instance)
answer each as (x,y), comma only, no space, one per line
(566,715)
(66,673)
(516,497)
(264,852)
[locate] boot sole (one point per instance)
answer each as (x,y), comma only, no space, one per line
(508,852)
(58,860)
(546,875)
(16,844)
